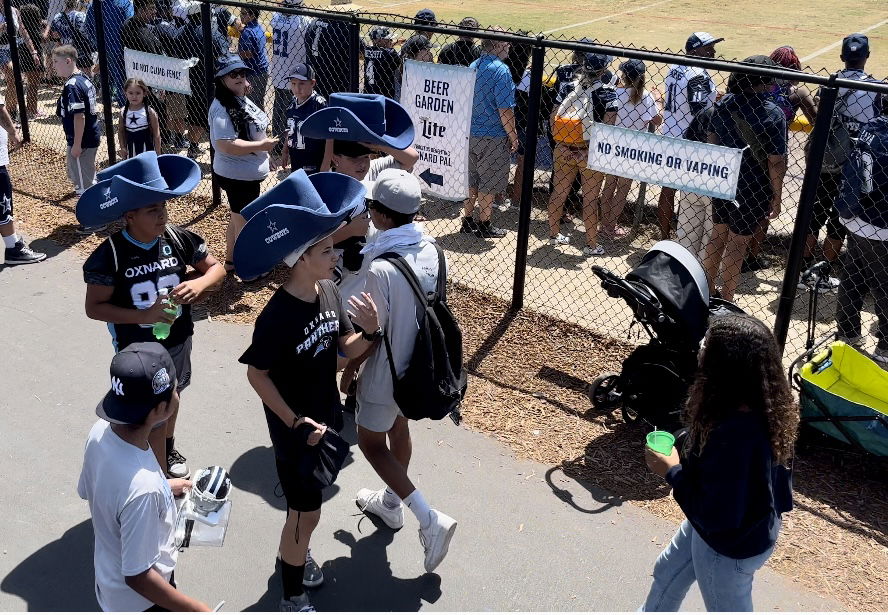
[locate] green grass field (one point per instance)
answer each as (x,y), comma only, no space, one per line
(749,26)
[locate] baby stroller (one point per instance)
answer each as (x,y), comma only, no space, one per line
(842,392)
(669,296)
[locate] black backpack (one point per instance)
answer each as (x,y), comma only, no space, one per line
(435,381)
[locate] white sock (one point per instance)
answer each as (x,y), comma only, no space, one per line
(391,499)
(417,503)
(11,240)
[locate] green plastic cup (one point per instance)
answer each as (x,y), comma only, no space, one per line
(661,442)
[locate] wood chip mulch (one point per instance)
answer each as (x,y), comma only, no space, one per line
(528,378)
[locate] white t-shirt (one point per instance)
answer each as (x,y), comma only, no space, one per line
(133,516)
(244,167)
(635,116)
(4,140)
(287,46)
(689,90)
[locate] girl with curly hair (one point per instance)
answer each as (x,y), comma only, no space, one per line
(732,481)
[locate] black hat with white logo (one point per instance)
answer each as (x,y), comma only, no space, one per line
(142,376)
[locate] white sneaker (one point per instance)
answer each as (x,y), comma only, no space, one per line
(371,502)
(590,251)
(559,240)
(297,604)
(505,205)
(435,539)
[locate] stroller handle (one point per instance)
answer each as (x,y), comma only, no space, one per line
(815,272)
(618,287)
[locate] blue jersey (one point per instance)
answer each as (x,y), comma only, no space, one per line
(304,153)
(79,96)
(864,189)
(325,42)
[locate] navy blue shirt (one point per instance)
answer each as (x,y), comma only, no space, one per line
(734,493)
(79,96)
(381,70)
(304,153)
(864,190)
(326,42)
(252,40)
(754,120)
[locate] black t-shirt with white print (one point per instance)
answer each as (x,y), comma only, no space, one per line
(138,271)
(297,342)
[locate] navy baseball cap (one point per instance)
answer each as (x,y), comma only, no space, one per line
(701,39)
(142,376)
(426,16)
(301,71)
(633,68)
(229,63)
(595,61)
(415,44)
(855,47)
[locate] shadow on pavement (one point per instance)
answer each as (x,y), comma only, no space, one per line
(38,582)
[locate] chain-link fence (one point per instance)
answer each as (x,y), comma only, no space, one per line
(542,210)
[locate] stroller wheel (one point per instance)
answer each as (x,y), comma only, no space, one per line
(629,415)
(600,391)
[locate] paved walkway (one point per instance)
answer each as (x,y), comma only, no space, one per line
(529,538)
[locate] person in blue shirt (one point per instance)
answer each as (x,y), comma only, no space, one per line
(731,476)
(251,48)
(115,13)
(750,121)
(493,137)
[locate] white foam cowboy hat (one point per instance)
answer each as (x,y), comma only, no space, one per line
(368,118)
(283,231)
(134,183)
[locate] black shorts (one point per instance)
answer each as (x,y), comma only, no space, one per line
(741,218)
(300,497)
(240,192)
(5,196)
(825,212)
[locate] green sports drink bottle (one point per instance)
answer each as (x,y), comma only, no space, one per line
(162,329)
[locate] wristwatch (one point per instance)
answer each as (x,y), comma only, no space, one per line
(372,337)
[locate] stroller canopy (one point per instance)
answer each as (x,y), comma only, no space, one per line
(679,282)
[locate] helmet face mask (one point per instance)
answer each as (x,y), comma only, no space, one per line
(210,490)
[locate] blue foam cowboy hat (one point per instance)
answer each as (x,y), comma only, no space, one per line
(278,232)
(134,183)
(369,118)
(320,188)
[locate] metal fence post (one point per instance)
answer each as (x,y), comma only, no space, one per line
(819,136)
(105,80)
(537,60)
(354,54)
(206,22)
(17,69)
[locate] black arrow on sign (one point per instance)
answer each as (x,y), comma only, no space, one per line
(431,178)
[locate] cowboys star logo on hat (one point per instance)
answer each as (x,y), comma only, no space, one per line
(366,118)
(272,226)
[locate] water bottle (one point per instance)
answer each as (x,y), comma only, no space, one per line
(162,329)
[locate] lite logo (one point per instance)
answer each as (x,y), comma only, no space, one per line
(338,126)
(275,234)
(117,386)
(109,201)
(432,130)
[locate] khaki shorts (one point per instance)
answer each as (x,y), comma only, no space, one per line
(489,162)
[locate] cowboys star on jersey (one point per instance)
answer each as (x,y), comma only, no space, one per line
(137,271)
(689,90)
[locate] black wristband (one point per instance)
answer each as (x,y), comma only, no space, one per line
(372,337)
(295,420)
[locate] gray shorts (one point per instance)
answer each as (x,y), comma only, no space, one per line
(181,356)
(489,161)
(378,418)
(82,170)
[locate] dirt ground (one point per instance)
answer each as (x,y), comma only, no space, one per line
(529,372)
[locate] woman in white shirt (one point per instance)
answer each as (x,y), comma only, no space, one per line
(637,111)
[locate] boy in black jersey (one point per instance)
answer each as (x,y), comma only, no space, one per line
(302,152)
(382,64)
(293,354)
(128,274)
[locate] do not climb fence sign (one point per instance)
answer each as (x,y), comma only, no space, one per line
(438,98)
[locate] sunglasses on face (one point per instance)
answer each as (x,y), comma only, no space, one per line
(237,74)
